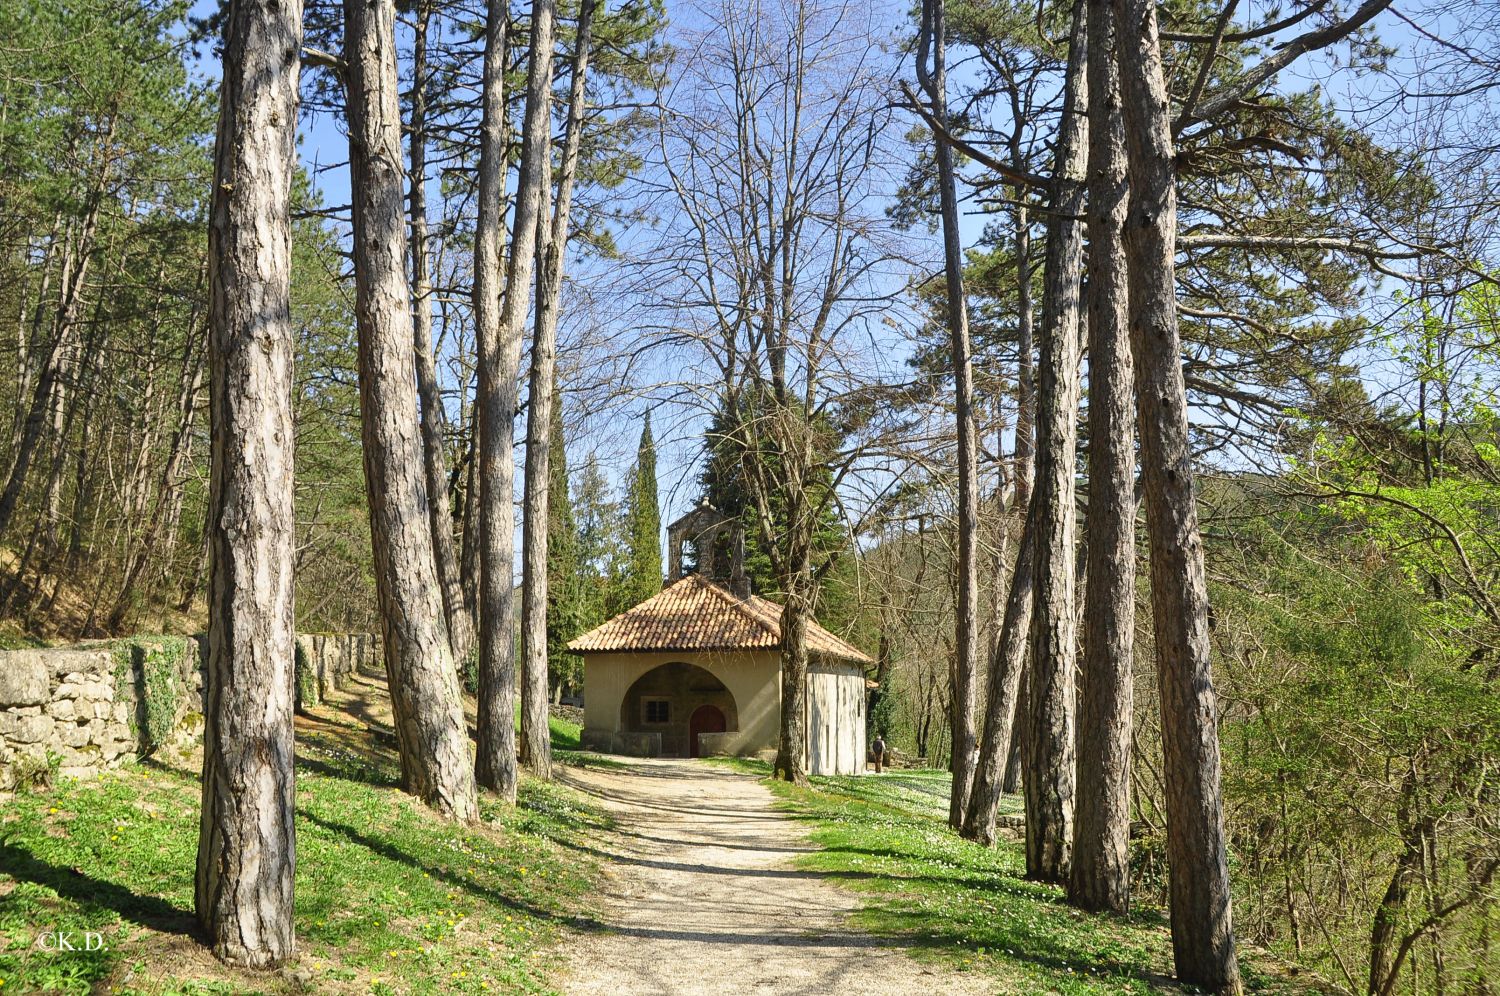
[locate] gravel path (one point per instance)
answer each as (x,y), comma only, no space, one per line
(701,897)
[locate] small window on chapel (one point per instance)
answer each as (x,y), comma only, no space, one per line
(657,710)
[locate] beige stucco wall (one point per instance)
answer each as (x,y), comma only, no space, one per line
(834,721)
(752,677)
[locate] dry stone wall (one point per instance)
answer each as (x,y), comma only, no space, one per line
(73,712)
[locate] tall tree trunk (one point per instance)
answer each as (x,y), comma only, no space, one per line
(63,411)
(966,614)
(434,455)
(1202,925)
(1050,749)
(998,770)
(70,299)
(536,744)
(533,189)
(1024,462)
(495,763)
(189,386)
(425,698)
(1385,925)
(246,838)
(1100,878)
(468,563)
(28,339)
(1025,456)
(137,482)
(1002,707)
(791,756)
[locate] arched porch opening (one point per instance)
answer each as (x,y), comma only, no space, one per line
(665,700)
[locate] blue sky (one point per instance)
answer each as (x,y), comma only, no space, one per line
(613,435)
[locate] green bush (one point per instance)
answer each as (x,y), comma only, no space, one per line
(468,672)
(35,772)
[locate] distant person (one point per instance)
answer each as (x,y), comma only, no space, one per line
(878,750)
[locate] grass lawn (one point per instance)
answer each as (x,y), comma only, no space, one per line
(952,900)
(389,898)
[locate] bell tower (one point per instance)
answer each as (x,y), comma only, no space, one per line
(716,543)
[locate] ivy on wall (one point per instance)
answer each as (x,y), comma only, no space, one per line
(153,669)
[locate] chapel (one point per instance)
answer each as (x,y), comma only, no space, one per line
(695,670)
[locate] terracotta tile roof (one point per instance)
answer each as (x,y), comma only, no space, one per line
(697,614)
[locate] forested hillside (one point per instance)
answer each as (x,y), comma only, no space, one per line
(1122,377)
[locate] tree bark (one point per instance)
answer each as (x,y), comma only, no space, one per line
(1050,750)
(75,269)
(533,188)
(1386,922)
(425,698)
(246,838)
(28,340)
(495,763)
(1025,456)
(1100,877)
(189,387)
(1202,927)
(536,744)
(1007,662)
(468,563)
(434,454)
(966,600)
(791,760)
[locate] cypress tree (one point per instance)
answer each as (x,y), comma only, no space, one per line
(642,525)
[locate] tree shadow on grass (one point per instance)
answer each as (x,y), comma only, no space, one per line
(998,879)
(155,763)
(1021,941)
(88,891)
(391,852)
(350,770)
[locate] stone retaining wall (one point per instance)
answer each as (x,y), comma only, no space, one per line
(76,711)
(325,661)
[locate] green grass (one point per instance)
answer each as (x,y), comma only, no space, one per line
(969,906)
(565,735)
(389,899)
(567,741)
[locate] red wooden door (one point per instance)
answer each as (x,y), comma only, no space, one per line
(705,719)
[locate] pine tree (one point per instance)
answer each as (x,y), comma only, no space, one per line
(425,698)
(642,526)
(247,843)
(565,592)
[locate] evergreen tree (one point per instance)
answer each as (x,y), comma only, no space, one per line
(565,583)
(642,576)
(601,554)
(724,485)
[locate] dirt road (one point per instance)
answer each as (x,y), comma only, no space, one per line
(702,897)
